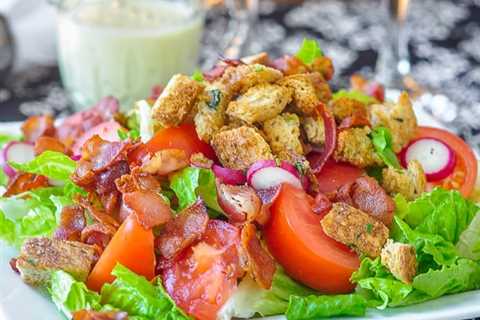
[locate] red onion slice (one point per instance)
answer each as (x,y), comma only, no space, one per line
(257,166)
(437,158)
(318,160)
(16,151)
(229,176)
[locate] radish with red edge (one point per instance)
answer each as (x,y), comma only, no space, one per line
(268,177)
(229,176)
(437,158)
(260,164)
(293,170)
(16,151)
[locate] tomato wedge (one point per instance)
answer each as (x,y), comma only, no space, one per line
(335,174)
(296,239)
(132,246)
(464,175)
(183,137)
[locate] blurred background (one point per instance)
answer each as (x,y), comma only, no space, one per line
(429,46)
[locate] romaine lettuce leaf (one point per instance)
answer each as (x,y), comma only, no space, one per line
(309,51)
(468,245)
(190,183)
(54,165)
(382,143)
(355,95)
(137,296)
(317,307)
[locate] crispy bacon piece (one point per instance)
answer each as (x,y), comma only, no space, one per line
(200,161)
(45,143)
(95,315)
(97,234)
(367,195)
(358,119)
(97,213)
(232,62)
(13,265)
(255,259)
(322,204)
(137,180)
(289,65)
(181,232)
(240,203)
(268,197)
(23,182)
(149,207)
(165,161)
(215,73)
(324,66)
(72,222)
(318,160)
(37,126)
(105,181)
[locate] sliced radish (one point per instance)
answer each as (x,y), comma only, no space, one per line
(106,130)
(229,176)
(16,151)
(290,168)
(257,166)
(437,158)
(268,177)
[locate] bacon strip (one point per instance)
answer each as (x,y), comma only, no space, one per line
(358,119)
(215,73)
(72,222)
(166,161)
(322,204)
(317,161)
(149,207)
(23,182)
(289,65)
(268,197)
(94,315)
(181,232)
(45,143)
(97,234)
(37,126)
(256,260)
(98,214)
(240,203)
(137,180)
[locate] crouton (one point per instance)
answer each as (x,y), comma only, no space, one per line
(176,100)
(304,93)
(240,147)
(236,80)
(346,107)
(283,133)
(324,66)
(260,58)
(409,183)
(210,117)
(399,118)
(314,128)
(260,103)
(355,228)
(400,259)
(40,256)
(322,88)
(354,146)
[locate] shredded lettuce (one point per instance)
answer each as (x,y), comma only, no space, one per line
(355,95)
(139,297)
(190,183)
(309,51)
(54,165)
(317,307)
(382,143)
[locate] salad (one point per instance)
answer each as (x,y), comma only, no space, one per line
(248,190)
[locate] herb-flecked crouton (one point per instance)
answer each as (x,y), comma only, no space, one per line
(356,229)
(346,107)
(355,146)
(322,88)
(400,259)
(260,103)
(314,128)
(283,133)
(239,148)
(40,256)
(399,118)
(304,94)
(176,100)
(210,117)
(409,183)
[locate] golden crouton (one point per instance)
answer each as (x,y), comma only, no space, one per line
(260,58)
(356,229)
(322,88)
(399,118)
(210,117)
(355,147)
(283,133)
(324,66)
(409,183)
(304,93)
(314,128)
(40,256)
(400,259)
(240,147)
(236,80)
(176,100)
(260,103)
(345,107)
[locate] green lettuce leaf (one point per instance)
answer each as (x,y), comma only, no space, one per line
(316,307)
(137,296)
(468,245)
(355,95)
(382,143)
(198,76)
(309,51)
(70,295)
(190,183)
(6,138)
(54,165)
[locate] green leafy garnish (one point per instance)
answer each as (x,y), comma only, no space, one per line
(309,51)
(124,134)
(54,165)
(369,228)
(324,306)
(382,142)
(198,76)
(355,95)
(215,98)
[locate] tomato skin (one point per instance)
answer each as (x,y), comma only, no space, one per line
(296,240)
(464,176)
(335,174)
(183,137)
(132,246)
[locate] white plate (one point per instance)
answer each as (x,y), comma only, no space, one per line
(19,301)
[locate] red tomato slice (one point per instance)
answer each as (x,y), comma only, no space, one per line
(464,176)
(132,246)
(183,137)
(296,240)
(204,278)
(336,174)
